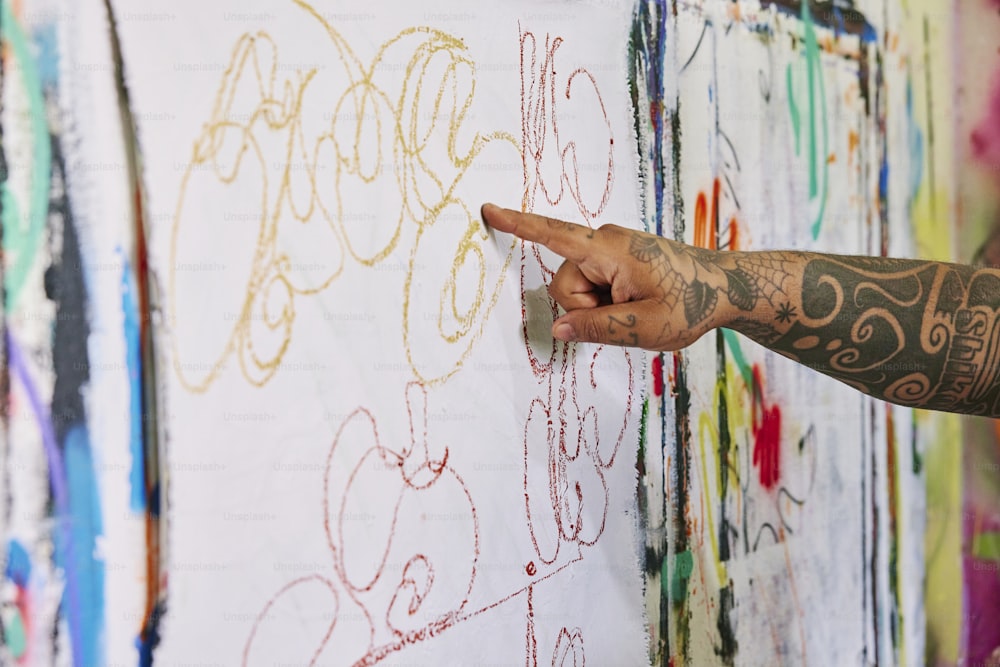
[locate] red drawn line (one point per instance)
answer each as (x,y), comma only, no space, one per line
(572,442)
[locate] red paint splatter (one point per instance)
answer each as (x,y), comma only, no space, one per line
(658,375)
(766,426)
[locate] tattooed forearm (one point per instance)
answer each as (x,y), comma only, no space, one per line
(917,333)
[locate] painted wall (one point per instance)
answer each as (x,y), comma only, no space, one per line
(979,195)
(275,394)
(822,143)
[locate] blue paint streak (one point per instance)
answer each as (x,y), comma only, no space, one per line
(133,355)
(86,527)
(883,178)
(651,19)
(47,57)
(915,139)
(18,564)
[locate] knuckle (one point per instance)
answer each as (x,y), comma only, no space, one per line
(622,290)
(588,330)
(556,292)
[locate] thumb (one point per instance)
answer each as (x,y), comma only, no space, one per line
(633,324)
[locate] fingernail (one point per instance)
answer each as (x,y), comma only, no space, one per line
(564,331)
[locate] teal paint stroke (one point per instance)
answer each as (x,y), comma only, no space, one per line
(22,244)
(733,343)
(818,133)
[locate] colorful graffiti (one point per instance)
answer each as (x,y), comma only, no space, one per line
(272,390)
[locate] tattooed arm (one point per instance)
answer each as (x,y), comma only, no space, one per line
(917,333)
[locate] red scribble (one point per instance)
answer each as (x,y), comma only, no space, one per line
(567,458)
(766,426)
(569,649)
(542,141)
(295,583)
(394,602)
(562,428)
(390,604)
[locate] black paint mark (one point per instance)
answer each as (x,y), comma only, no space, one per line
(64,285)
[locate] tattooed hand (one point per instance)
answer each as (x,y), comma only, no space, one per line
(626,287)
(913,332)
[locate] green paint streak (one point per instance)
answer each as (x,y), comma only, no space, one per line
(643,424)
(918,460)
(682,567)
(793,108)
(22,244)
(14,636)
(818,131)
(733,341)
(986,546)
(814,73)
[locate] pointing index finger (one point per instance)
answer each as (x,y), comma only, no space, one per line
(563,238)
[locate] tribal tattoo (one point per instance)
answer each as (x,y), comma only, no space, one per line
(916,333)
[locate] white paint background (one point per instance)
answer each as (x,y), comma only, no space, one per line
(245,499)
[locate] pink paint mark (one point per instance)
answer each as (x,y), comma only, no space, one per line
(766,426)
(984,141)
(658,375)
(982,581)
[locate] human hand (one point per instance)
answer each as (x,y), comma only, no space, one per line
(626,287)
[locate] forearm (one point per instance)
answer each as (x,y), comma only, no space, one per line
(913,332)
(917,333)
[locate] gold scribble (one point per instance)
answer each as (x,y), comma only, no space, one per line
(426,175)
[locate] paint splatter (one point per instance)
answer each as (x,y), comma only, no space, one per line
(766,428)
